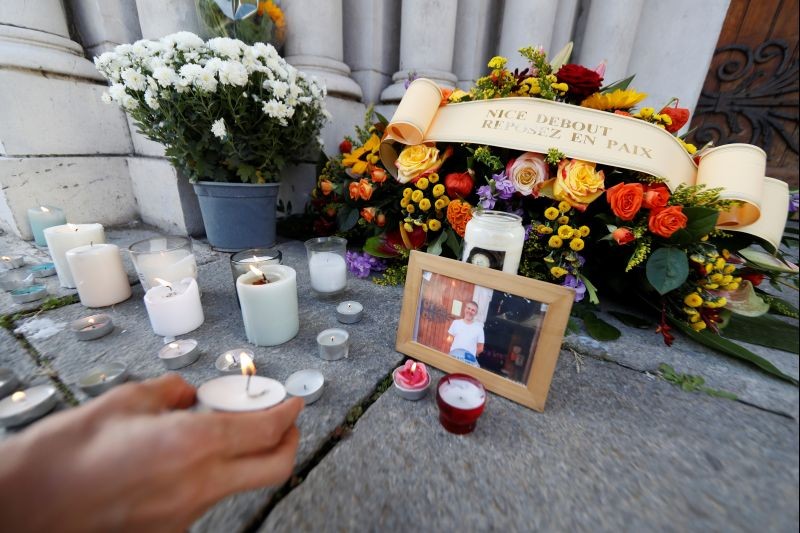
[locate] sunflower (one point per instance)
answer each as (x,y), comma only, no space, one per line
(619,99)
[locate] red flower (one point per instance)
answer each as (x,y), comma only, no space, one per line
(667,220)
(754,277)
(625,199)
(582,81)
(623,236)
(679,116)
(458,184)
(655,196)
(345,146)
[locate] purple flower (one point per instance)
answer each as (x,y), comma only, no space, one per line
(411,77)
(486,198)
(577,284)
(794,201)
(361,264)
(504,186)
(527,229)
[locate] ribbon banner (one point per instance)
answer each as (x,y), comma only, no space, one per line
(536,125)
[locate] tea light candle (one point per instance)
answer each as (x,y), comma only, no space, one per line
(231,360)
(349,312)
(8,382)
(246,392)
(26,406)
(411,380)
(43,217)
(15,279)
(179,354)
(269,304)
(43,270)
(12,261)
(102,378)
(306,384)
(66,237)
(174,309)
(25,295)
(92,327)
(328,272)
(98,274)
(461,400)
(333,344)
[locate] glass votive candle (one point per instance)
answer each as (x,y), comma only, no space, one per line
(169,258)
(257,257)
(461,399)
(43,217)
(326,265)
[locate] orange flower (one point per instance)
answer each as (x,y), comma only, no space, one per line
(625,199)
(365,189)
(664,222)
(623,236)
(326,186)
(655,196)
(368,214)
(459,213)
(378,175)
(353,188)
(380,220)
(446,92)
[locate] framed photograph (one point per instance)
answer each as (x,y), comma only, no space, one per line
(502,329)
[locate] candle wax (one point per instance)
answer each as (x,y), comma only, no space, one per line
(461,394)
(229,393)
(328,272)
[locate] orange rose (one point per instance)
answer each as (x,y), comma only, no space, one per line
(459,213)
(378,175)
(365,189)
(655,196)
(326,186)
(625,199)
(368,214)
(353,188)
(623,236)
(666,221)
(380,220)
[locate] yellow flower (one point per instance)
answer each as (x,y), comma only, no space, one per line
(619,99)
(693,300)
(416,196)
(457,96)
(719,264)
(689,147)
(726,253)
(576,244)
(691,312)
(404,202)
(732,286)
(433,178)
(565,232)
(434,224)
(408,227)
(727,278)
(729,269)
(698,326)
(695,318)
(555,242)
(497,62)
(563,219)
(358,159)
(551,213)
(584,231)
(438,190)
(578,183)
(416,159)
(715,278)
(557,272)
(424,204)
(441,203)
(722,302)
(422,184)
(646,112)
(564,207)
(407,192)
(410,208)
(545,230)
(560,87)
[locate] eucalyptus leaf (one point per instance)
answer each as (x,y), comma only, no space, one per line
(667,269)
(599,329)
(701,220)
(347,219)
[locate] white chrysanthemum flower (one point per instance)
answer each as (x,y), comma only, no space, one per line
(105,97)
(117,92)
(183,40)
(218,128)
(233,73)
(134,79)
(129,102)
(150,99)
(189,73)
(214,64)
(104,60)
(206,80)
(165,76)
(279,89)
(226,46)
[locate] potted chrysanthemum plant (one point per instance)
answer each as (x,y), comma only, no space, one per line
(231,116)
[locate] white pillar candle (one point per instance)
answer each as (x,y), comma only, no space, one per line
(43,217)
(98,274)
(62,238)
(328,272)
(269,310)
(174,309)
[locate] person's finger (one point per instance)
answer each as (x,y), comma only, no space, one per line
(166,392)
(239,434)
(268,469)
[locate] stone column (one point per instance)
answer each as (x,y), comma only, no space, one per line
(162,17)
(427,39)
(103,24)
(562,29)
(476,25)
(611,29)
(526,23)
(59,144)
(674,60)
(372,44)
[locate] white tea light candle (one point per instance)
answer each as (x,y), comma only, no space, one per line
(98,274)
(60,239)
(26,406)
(102,378)
(25,295)
(231,360)
(43,217)
(179,353)
(92,327)
(349,312)
(230,393)
(333,344)
(306,384)
(174,309)
(12,261)
(269,304)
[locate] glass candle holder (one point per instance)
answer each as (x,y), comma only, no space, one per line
(326,265)
(169,258)
(461,400)
(494,239)
(256,257)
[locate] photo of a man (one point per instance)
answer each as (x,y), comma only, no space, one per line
(468,337)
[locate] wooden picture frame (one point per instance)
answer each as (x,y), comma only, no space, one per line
(526,316)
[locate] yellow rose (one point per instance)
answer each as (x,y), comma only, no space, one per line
(578,183)
(414,160)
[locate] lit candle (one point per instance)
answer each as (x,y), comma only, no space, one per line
(26,406)
(174,309)
(306,384)
(268,299)
(411,380)
(179,354)
(349,312)
(66,237)
(98,274)
(25,295)
(168,258)
(333,344)
(245,392)
(257,257)
(461,400)
(43,217)
(92,327)
(231,360)
(8,382)
(102,378)
(12,261)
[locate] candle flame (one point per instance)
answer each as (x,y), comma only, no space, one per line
(91,321)
(18,396)
(256,271)
(413,367)
(248,368)
(5,258)
(173,345)
(44,209)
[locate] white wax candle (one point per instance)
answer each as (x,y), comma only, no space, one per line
(98,274)
(28,405)
(63,238)
(269,310)
(230,393)
(461,394)
(12,261)
(169,265)
(328,272)
(174,309)
(333,344)
(44,217)
(349,312)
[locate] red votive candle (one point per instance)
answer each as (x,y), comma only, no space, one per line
(461,399)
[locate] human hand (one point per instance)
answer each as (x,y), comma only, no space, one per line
(136,460)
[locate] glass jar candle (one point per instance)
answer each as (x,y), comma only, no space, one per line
(169,258)
(494,239)
(257,257)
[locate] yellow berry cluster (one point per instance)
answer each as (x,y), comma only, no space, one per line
(718,273)
(557,227)
(424,204)
(649,114)
(532,86)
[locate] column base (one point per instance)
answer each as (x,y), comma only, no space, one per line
(395,92)
(335,74)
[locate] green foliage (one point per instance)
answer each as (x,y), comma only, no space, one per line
(765,331)
(598,328)
(697,196)
(691,383)
(483,154)
(640,253)
(393,276)
(554,156)
(667,269)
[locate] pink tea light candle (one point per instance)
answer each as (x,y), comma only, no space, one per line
(411,380)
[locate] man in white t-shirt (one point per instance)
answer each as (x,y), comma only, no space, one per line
(467,336)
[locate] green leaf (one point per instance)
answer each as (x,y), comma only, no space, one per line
(667,269)
(765,331)
(561,57)
(346,219)
(435,248)
(779,306)
(599,329)
(621,84)
(744,301)
(591,289)
(373,247)
(632,321)
(702,220)
(766,261)
(714,341)
(453,242)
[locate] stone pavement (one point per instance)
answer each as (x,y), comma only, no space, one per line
(617,448)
